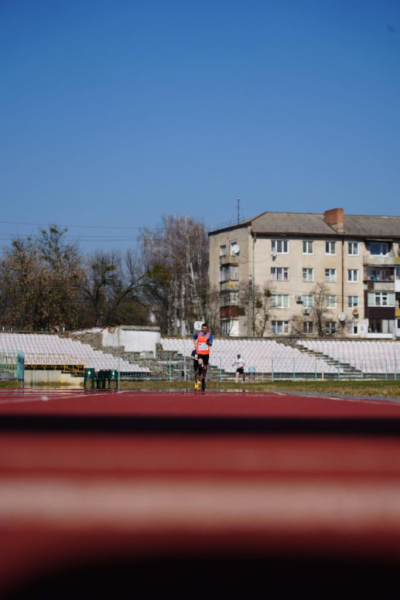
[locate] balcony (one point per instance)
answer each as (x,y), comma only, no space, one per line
(229,286)
(377,259)
(228,260)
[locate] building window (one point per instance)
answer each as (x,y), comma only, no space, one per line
(226,326)
(330,247)
(381,325)
(381,299)
(330,275)
(330,327)
(308,327)
(352,275)
(352,248)
(374,274)
(352,301)
(308,301)
(222,250)
(308,274)
(229,299)
(378,248)
(280,246)
(331,301)
(280,300)
(229,274)
(280,327)
(353,328)
(308,247)
(234,249)
(280,273)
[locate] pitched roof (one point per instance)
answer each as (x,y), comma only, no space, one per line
(313,224)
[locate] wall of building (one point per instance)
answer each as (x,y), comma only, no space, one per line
(133,339)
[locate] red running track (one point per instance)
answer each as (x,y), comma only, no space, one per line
(98,475)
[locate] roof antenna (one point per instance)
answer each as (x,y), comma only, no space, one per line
(238,210)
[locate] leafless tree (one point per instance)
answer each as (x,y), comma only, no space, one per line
(175,257)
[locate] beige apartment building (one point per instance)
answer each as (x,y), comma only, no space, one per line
(331,270)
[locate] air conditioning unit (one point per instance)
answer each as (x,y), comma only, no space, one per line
(306,311)
(299,299)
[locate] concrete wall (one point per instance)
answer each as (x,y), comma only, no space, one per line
(53,376)
(134,339)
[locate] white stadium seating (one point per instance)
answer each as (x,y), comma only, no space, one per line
(266,356)
(368,357)
(51,350)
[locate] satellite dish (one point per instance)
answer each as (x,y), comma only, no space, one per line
(274,253)
(235,249)
(342,317)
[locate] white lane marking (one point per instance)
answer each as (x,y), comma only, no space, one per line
(306,505)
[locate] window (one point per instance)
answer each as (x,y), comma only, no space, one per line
(353,328)
(308,327)
(381,325)
(278,327)
(378,248)
(280,273)
(308,247)
(352,248)
(234,273)
(331,301)
(229,274)
(280,246)
(234,245)
(330,327)
(352,275)
(308,274)
(330,247)
(230,299)
(374,274)
(352,301)
(226,326)
(381,299)
(308,301)
(330,274)
(280,300)
(222,250)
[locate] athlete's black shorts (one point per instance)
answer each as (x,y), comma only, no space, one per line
(240,370)
(204,358)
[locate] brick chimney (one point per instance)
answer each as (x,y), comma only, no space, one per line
(335,219)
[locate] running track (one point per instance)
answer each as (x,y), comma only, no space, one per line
(106,477)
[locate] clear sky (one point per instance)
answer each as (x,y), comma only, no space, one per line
(115,112)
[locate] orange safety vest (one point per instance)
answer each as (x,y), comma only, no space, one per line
(201,343)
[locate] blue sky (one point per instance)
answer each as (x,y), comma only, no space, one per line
(113,113)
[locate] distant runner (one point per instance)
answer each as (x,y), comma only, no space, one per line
(240,365)
(202,343)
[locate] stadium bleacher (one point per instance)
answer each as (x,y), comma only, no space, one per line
(370,357)
(265,356)
(51,350)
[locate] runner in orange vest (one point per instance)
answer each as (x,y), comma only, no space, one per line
(203,340)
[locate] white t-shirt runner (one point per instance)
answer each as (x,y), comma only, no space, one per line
(239,362)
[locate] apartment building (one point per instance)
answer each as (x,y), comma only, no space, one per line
(332,273)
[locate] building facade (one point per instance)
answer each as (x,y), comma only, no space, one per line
(308,274)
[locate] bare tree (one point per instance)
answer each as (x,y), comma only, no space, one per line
(112,289)
(256,303)
(178,252)
(320,314)
(40,278)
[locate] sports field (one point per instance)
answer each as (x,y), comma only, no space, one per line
(102,492)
